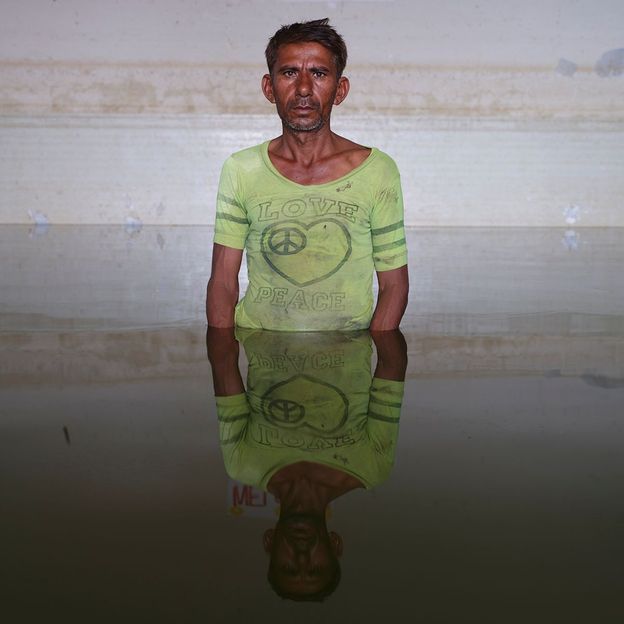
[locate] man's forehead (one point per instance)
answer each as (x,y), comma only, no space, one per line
(305,51)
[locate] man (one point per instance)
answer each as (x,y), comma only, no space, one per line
(316,213)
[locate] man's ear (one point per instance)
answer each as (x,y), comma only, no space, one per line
(267,88)
(336,543)
(342,90)
(267,540)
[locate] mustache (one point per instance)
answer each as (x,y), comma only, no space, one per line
(304,102)
(297,518)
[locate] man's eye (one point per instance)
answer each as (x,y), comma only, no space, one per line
(319,74)
(289,72)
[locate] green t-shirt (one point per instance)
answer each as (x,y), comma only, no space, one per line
(311,250)
(310,397)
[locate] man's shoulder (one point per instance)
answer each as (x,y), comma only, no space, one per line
(378,168)
(247,157)
(384,161)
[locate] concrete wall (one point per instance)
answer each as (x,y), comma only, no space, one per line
(498,113)
(464,281)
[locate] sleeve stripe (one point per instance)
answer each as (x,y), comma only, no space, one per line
(374,399)
(375,416)
(232,418)
(388,228)
(235,438)
(399,243)
(228,200)
(229,217)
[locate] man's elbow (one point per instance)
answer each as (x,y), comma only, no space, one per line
(221,300)
(396,284)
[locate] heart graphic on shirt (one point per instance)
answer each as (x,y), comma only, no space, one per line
(306,253)
(303,401)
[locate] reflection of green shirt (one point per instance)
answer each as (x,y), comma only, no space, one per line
(311,250)
(310,397)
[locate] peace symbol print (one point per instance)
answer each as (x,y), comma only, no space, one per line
(324,411)
(287,241)
(306,253)
(286,412)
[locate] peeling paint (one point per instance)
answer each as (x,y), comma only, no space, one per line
(611,63)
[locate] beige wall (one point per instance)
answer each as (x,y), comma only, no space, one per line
(498,113)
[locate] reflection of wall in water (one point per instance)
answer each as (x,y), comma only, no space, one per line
(83,358)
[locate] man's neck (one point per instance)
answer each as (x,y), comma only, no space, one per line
(315,157)
(306,147)
(308,487)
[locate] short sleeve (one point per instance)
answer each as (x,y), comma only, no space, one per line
(387,227)
(233,416)
(231,224)
(384,411)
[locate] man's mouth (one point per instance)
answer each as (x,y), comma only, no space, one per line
(304,107)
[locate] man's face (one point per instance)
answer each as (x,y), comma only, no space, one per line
(303,554)
(304,86)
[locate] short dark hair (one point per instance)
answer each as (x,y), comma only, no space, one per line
(316,31)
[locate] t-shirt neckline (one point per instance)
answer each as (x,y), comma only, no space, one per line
(264,150)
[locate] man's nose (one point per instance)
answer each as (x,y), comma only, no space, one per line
(304,84)
(303,558)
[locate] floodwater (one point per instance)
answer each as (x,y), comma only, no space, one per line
(505,499)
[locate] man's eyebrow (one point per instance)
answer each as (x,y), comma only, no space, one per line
(287,67)
(315,68)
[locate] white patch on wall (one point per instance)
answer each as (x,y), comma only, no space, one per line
(38,230)
(38,218)
(41,224)
(133,224)
(571,240)
(572,214)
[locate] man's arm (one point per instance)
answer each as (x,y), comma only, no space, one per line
(222,349)
(391,354)
(222,291)
(391,299)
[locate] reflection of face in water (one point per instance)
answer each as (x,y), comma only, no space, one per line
(312,425)
(303,557)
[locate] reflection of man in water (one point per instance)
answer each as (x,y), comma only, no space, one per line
(313,425)
(316,213)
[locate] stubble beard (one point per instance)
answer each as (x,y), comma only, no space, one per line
(303,126)
(295,127)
